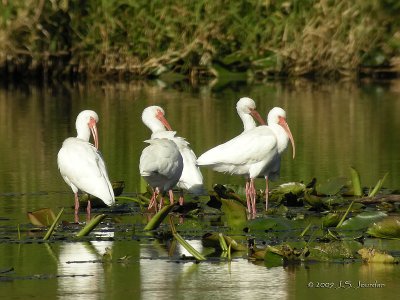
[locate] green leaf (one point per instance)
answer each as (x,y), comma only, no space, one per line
(42,217)
(388,228)
(345,215)
(272,259)
(157,219)
(211,239)
(330,220)
(51,229)
(184,243)
(378,186)
(333,251)
(235,213)
(363,220)
(91,225)
(291,189)
(332,186)
(355,179)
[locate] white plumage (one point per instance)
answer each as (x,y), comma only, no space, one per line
(246,109)
(161,165)
(191,178)
(81,164)
(255,152)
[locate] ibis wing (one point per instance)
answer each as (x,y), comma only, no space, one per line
(83,166)
(248,148)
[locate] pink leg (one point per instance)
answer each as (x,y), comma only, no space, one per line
(161,203)
(181,198)
(76,208)
(153,200)
(171,197)
(253,196)
(266,193)
(88,209)
(248,196)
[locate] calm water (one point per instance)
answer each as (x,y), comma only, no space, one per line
(334,127)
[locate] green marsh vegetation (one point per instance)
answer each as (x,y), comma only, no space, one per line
(199,38)
(337,220)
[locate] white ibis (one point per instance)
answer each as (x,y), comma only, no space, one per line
(81,164)
(256,152)
(161,165)
(191,179)
(246,109)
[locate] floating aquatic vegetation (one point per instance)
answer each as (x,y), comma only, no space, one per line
(42,217)
(330,220)
(290,193)
(212,239)
(355,179)
(226,192)
(157,219)
(140,199)
(91,225)
(388,228)
(375,256)
(331,186)
(53,226)
(362,220)
(378,186)
(184,243)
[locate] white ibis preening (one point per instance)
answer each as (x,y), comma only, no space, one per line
(191,179)
(246,109)
(161,165)
(256,152)
(81,164)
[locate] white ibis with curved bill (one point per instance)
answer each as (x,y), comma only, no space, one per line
(246,109)
(256,152)
(191,179)
(81,164)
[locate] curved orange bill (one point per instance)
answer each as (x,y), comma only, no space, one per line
(93,129)
(163,120)
(257,116)
(285,126)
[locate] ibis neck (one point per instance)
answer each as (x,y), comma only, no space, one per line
(155,126)
(248,121)
(281,137)
(83,132)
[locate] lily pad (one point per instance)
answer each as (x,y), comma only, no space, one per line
(333,251)
(42,217)
(363,220)
(283,254)
(271,223)
(388,228)
(290,192)
(235,213)
(332,186)
(315,201)
(330,220)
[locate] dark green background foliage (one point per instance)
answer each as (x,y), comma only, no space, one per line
(204,37)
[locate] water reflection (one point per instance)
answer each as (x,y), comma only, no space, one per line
(334,125)
(81,272)
(165,279)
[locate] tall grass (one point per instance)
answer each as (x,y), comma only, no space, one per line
(195,38)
